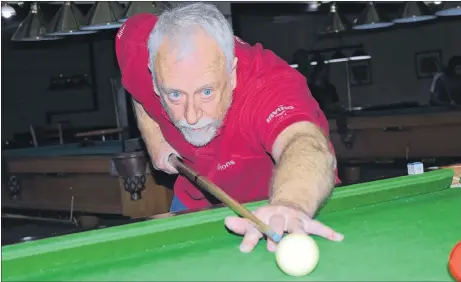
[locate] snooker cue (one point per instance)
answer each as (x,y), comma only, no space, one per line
(204,183)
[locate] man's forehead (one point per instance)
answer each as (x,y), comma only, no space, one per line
(197,48)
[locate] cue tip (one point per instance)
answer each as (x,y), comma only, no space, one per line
(274,236)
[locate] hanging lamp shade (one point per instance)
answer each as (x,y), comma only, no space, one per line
(338,57)
(449,8)
(136,7)
(334,22)
(103,15)
(359,55)
(67,21)
(370,19)
(33,28)
(415,12)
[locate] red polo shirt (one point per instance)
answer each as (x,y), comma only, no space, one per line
(269,96)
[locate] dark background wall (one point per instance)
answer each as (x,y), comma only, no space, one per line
(394,77)
(27,67)
(26,73)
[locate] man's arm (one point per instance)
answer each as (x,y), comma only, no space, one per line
(150,130)
(159,149)
(304,177)
(305,167)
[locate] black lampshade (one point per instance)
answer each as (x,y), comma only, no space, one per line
(449,8)
(104,15)
(415,12)
(371,19)
(67,21)
(334,22)
(137,7)
(33,28)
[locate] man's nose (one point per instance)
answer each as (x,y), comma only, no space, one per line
(193,113)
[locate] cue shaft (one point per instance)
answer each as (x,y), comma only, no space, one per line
(222,196)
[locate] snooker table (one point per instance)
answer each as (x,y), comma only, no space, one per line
(399,229)
(83,178)
(406,133)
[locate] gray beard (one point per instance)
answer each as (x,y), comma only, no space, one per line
(197,138)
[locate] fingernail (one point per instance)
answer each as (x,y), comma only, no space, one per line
(244,248)
(339,237)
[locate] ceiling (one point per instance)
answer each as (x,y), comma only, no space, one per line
(273,9)
(48,11)
(238,8)
(290,8)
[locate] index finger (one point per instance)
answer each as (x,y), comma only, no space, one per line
(250,239)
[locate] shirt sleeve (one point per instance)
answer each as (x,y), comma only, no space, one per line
(132,55)
(136,78)
(284,100)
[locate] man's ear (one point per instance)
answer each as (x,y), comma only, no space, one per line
(234,73)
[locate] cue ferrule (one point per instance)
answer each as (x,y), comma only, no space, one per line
(207,185)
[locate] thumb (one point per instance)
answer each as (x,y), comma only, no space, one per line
(236,224)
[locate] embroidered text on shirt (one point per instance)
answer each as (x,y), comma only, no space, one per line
(226,165)
(280,111)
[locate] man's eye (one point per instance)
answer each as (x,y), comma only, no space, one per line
(207,92)
(174,95)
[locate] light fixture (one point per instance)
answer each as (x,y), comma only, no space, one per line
(415,11)
(7,11)
(103,15)
(33,28)
(67,21)
(334,22)
(359,55)
(136,7)
(370,19)
(338,57)
(312,6)
(316,59)
(449,8)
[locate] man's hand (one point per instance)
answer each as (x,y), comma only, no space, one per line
(281,219)
(160,158)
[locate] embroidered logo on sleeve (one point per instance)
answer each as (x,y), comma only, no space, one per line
(279,112)
(120,32)
(239,40)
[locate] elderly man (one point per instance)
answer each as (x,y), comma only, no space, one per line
(237,114)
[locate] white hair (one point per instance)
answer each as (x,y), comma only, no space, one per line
(181,23)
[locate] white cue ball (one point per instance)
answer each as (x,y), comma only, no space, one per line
(297,254)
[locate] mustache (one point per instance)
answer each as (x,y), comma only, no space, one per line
(200,124)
